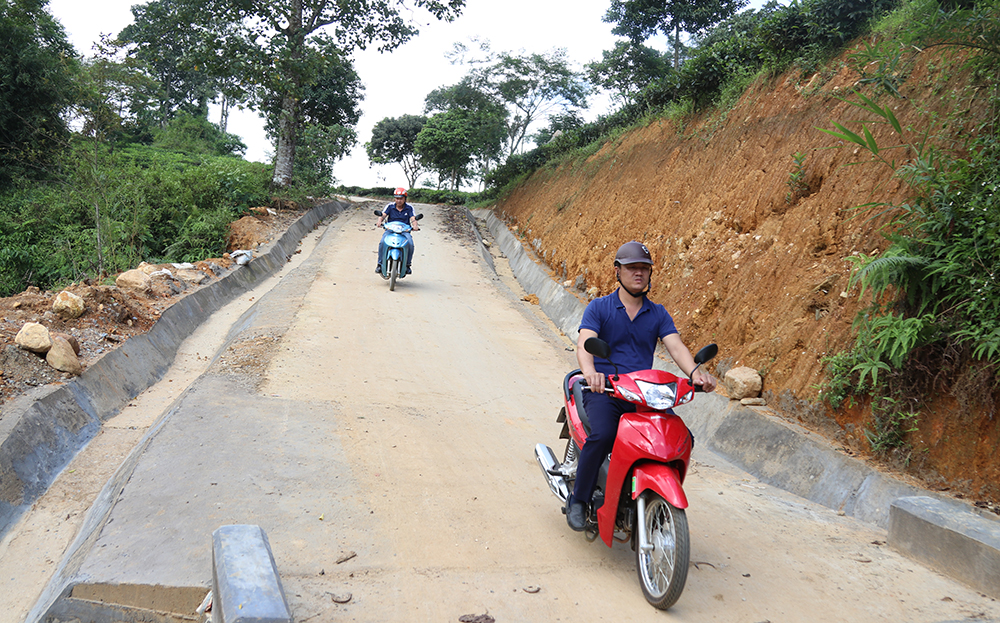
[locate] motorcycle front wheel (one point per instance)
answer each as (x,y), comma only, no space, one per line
(663,565)
(393,273)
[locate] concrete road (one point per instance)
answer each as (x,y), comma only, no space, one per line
(393,432)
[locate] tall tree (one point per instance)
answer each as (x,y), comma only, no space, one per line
(445,144)
(530,86)
(484,116)
(278,46)
(118,98)
(394,140)
(627,69)
(640,19)
(162,38)
(37,65)
(329,108)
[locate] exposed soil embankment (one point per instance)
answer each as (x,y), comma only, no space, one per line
(742,263)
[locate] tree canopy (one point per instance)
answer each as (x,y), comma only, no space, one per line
(37,69)
(627,69)
(640,19)
(279,47)
(529,86)
(394,141)
(484,120)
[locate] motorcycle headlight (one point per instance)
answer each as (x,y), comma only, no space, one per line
(659,396)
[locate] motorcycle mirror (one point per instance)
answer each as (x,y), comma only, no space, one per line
(377,213)
(419,216)
(706,353)
(597,347)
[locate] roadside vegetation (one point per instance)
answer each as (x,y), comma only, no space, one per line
(934,322)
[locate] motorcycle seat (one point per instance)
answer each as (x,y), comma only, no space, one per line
(578,385)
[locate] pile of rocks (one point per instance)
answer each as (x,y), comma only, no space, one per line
(61,350)
(153,280)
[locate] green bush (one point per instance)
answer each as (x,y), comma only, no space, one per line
(111,210)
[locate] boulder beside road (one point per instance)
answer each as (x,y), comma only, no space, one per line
(742,382)
(35,337)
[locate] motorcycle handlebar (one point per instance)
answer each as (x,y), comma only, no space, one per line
(608,387)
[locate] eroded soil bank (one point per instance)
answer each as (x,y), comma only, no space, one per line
(742,263)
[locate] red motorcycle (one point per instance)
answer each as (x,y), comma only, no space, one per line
(639,498)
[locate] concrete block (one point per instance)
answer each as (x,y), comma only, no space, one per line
(245,583)
(949,538)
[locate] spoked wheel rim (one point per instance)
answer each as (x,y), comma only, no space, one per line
(662,568)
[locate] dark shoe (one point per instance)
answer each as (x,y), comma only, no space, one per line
(409,271)
(576,517)
(378,269)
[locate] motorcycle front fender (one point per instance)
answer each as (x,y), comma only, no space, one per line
(662,479)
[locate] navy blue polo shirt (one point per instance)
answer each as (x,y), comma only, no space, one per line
(633,342)
(403,215)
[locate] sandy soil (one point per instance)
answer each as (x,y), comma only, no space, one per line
(439,450)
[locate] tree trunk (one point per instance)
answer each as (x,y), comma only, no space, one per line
(677,47)
(285,156)
(224,114)
(288,124)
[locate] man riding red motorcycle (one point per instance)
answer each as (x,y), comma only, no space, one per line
(631,324)
(622,406)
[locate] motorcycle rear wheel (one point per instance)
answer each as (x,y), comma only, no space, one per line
(663,569)
(393,273)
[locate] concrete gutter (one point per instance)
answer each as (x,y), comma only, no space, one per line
(787,456)
(41,433)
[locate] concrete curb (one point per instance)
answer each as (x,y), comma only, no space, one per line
(784,455)
(561,306)
(38,442)
(246,585)
(954,541)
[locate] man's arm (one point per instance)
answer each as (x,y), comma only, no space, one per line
(595,379)
(685,361)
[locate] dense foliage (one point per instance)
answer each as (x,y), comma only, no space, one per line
(108,211)
(36,84)
(936,296)
(144,175)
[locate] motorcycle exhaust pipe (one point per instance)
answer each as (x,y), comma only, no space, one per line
(550,469)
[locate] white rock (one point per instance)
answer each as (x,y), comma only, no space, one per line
(135,280)
(34,337)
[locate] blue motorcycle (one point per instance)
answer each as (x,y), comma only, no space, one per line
(394,249)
